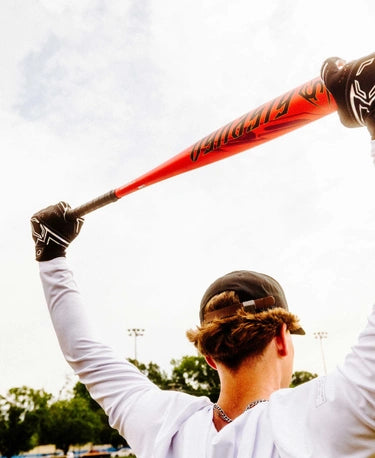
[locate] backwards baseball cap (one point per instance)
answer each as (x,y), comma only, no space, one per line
(257,292)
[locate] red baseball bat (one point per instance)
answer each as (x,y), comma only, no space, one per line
(294,109)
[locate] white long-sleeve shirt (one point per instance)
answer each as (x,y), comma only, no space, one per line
(328,417)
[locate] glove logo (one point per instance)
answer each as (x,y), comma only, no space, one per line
(45,235)
(361,98)
(363,65)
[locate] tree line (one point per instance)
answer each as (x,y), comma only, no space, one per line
(31,417)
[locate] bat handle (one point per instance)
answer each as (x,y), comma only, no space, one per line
(92,205)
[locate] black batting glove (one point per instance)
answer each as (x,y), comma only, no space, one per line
(352,85)
(52,230)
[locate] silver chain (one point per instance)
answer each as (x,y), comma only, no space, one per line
(225,417)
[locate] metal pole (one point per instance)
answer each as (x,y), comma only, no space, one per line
(322,335)
(135,332)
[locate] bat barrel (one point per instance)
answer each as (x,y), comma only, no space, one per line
(292,110)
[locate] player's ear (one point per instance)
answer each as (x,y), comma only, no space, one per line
(281,341)
(210,361)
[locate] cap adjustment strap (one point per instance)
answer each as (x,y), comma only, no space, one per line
(253,306)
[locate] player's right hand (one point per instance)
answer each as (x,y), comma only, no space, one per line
(53,230)
(352,85)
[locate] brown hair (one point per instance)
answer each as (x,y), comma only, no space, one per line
(231,340)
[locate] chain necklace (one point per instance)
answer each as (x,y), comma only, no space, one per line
(225,417)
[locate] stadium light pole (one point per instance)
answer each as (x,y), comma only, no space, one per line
(322,335)
(135,332)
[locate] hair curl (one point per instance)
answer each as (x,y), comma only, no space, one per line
(233,339)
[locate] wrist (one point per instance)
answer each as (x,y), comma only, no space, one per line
(48,252)
(370,124)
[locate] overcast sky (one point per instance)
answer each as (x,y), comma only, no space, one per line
(95,93)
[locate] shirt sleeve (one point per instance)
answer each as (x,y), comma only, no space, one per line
(332,415)
(136,407)
(373,151)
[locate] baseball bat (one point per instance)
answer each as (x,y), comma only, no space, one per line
(294,109)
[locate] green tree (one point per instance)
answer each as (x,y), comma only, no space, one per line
(71,422)
(153,372)
(105,434)
(15,435)
(192,375)
(300,377)
(23,411)
(80,391)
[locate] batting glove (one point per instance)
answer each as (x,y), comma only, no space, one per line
(53,230)
(352,85)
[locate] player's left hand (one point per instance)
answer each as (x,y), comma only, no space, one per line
(53,230)
(352,85)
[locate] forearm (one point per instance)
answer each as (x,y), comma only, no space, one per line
(68,313)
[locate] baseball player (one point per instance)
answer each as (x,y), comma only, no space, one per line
(244,333)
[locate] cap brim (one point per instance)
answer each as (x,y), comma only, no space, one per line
(299,332)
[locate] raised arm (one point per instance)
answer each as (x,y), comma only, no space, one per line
(136,407)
